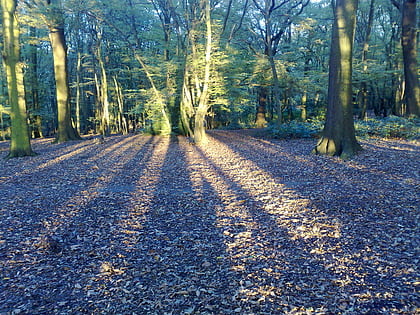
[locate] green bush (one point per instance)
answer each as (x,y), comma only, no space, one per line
(389,127)
(296,129)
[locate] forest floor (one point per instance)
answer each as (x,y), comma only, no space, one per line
(244,225)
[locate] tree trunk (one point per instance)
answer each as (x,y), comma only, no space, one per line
(409,47)
(36,128)
(339,135)
(261,121)
(363,94)
(103,96)
(20,143)
(201,111)
(66,131)
(122,121)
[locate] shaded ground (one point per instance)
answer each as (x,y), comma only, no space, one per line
(244,225)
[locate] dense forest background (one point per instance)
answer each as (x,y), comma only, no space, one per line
(160,66)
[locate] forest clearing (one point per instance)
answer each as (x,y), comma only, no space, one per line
(142,224)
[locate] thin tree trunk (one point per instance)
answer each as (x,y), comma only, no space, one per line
(201,111)
(78,92)
(20,144)
(104,101)
(36,116)
(363,96)
(122,122)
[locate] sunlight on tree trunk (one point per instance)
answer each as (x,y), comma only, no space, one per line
(338,136)
(203,106)
(163,125)
(66,131)
(20,143)
(102,89)
(122,122)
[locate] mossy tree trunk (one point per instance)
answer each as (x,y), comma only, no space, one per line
(20,143)
(338,136)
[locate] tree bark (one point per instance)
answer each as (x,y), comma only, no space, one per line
(201,111)
(20,143)
(339,135)
(104,127)
(66,131)
(409,48)
(261,121)
(363,94)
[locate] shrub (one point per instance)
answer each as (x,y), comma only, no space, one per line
(389,127)
(296,129)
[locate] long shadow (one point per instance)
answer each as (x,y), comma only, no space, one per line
(180,268)
(158,233)
(274,273)
(380,272)
(41,279)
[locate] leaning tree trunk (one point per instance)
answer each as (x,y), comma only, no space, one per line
(409,47)
(20,143)
(338,136)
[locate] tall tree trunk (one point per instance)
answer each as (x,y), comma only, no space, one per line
(276,84)
(122,121)
(36,128)
(66,131)
(203,106)
(20,143)
(409,47)
(78,90)
(103,95)
(363,94)
(339,135)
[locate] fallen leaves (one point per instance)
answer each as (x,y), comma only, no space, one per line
(142,224)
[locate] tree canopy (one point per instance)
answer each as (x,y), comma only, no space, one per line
(163,66)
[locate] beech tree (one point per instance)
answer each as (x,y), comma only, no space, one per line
(409,47)
(55,23)
(338,137)
(196,85)
(20,144)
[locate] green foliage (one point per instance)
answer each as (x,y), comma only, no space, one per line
(296,129)
(389,127)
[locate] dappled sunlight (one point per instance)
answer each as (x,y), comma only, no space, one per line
(74,151)
(253,206)
(289,210)
(141,195)
(237,226)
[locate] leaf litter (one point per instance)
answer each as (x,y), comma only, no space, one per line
(243,225)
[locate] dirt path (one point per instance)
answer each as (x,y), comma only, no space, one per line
(243,225)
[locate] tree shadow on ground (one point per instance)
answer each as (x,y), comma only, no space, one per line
(156,225)
(373,256)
